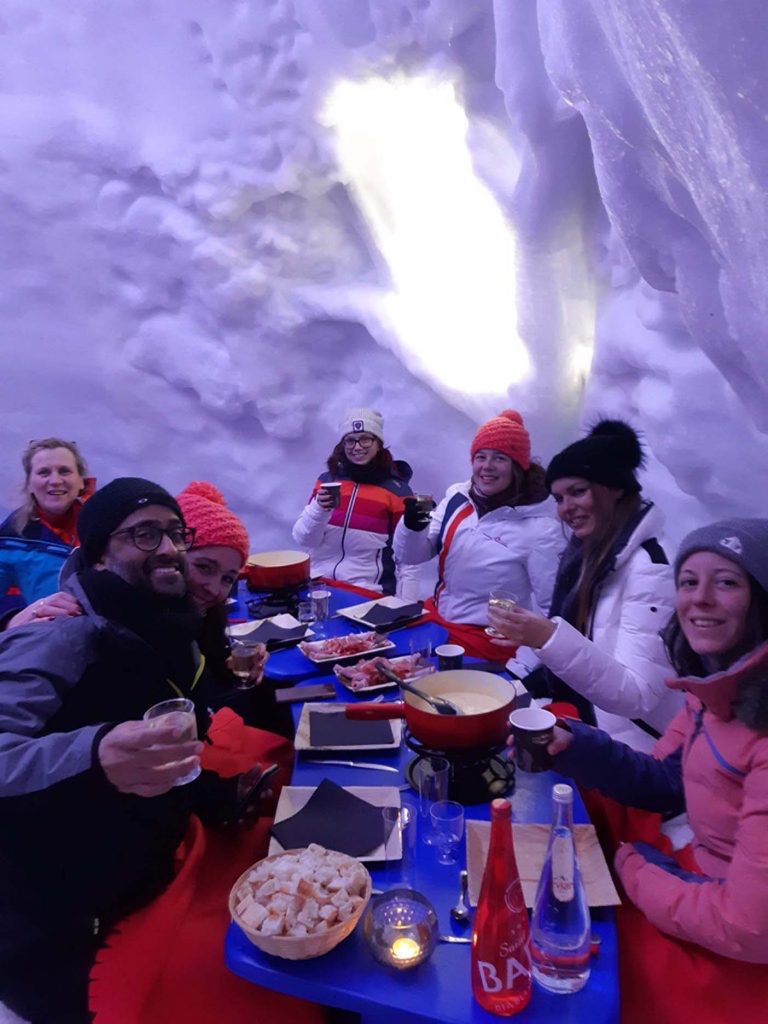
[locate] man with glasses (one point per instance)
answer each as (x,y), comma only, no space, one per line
(92,808)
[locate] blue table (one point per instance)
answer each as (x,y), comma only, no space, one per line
(439,991)
(292,666)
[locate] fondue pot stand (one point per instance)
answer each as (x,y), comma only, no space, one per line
(450,732)
(277,570)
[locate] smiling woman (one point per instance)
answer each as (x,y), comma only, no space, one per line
(36,538)
(497,530)
(600,649)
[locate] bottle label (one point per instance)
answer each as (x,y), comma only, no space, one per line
(562,868)
(513,897)
(512,971)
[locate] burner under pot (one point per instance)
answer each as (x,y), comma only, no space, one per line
(274,602)
(475,776)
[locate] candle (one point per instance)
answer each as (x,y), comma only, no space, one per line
(400,928)
(405,949)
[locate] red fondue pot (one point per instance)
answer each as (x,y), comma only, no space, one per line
(450,732)
(277,570)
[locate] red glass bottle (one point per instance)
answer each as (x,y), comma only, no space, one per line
(501,958)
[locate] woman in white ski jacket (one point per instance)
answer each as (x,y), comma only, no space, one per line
(614,594)
(495,531)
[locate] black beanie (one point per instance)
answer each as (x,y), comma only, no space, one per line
(109,506)
(608,455)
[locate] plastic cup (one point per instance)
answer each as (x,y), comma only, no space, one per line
(184,710)
(334,490)
(321,602)
(245,657)
(500,599)
(533,729)
(431,776)
(449,656)
(447,818)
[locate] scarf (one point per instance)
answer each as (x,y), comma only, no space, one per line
(169,625)
(63,526)
(485,503)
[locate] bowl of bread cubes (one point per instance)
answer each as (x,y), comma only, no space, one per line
(300,904)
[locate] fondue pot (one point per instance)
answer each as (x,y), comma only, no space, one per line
(277,570)
(467,731)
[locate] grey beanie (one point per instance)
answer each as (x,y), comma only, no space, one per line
(742,541)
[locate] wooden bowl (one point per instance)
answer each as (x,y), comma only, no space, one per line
(291,947)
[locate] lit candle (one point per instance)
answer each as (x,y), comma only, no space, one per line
(405,949)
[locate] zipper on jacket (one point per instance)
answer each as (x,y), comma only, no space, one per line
(347,517)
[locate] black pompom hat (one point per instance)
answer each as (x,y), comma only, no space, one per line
(610,455)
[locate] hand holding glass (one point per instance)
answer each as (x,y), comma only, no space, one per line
(500,599)
(183,710)
(447,819)
(247,659)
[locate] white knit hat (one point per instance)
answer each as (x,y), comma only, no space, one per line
(368,420)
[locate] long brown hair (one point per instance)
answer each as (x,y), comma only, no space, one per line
(529,484)
(596,550)
(28,511)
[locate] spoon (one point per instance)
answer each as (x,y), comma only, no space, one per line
(440,704)
(460,912)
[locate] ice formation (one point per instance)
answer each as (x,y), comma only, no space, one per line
(223,222)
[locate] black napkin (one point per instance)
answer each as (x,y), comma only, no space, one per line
(270,634)
(381,615)
(335,819)
(334,729)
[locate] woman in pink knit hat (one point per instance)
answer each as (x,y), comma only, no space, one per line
(495,531)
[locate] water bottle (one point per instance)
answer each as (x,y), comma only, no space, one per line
(560,924)
(501,958)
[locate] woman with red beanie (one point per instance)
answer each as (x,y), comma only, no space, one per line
(495,531)
(220,551)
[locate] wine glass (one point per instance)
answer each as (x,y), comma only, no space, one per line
(500,599)
(447,818)
(421,657)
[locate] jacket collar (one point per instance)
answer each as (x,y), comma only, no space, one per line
(647,526)
(740,691)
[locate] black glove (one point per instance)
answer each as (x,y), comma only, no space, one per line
(415,516)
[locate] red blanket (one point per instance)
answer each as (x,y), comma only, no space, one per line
(664,980)
(166,962)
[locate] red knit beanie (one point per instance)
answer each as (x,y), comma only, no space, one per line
(205,510)
(505,433)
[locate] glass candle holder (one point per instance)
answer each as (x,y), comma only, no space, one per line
(400,928)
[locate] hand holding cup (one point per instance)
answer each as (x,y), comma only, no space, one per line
(149,758)
(329,496)
(417,511)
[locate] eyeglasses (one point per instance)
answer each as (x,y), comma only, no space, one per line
(364,442)
(149,537)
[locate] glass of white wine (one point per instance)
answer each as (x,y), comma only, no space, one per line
(500,599)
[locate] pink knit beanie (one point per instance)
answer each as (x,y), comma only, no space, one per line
(205,510)
(505,433)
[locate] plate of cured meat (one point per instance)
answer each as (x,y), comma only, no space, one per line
(366,676)
(345,648)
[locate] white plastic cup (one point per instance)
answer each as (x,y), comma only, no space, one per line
(179,707)
(321,603)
